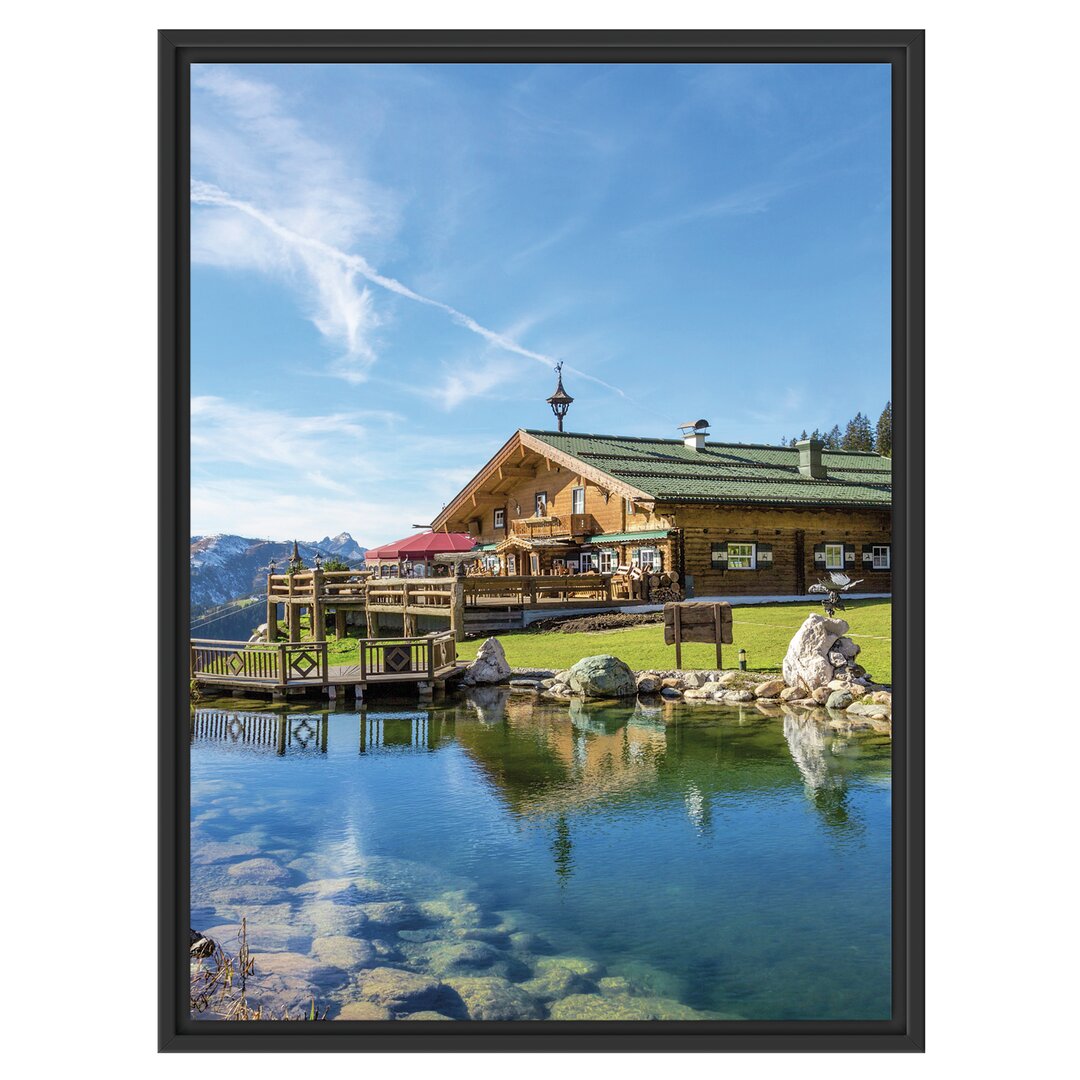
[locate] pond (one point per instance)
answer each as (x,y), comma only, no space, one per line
(504,857)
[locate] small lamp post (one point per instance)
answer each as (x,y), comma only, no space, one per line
(742,659)
(318,561)
(560,401)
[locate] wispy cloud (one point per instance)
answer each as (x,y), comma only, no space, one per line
(326,258)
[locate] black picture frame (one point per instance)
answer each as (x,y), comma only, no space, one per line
(903,50)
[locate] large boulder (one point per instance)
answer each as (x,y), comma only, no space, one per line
(807,661)
(489,667)
(602,677)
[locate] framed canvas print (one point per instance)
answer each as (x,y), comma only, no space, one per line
(541,540)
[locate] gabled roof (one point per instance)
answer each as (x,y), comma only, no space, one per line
(669,471)
(665,470)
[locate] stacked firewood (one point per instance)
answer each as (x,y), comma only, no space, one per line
(662,588)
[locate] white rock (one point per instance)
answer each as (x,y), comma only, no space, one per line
(489,667)
(807,661)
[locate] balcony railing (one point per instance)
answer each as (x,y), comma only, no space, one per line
(552,526)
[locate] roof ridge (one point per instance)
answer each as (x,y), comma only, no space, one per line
(539,432)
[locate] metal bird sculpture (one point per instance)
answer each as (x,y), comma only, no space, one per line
(838,583)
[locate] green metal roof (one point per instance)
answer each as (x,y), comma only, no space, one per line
(729,472)
(625,537)
(485,547)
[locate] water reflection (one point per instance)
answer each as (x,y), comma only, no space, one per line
(688,851)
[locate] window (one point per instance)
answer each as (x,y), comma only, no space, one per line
(540,504)
(534,564)
(500,519)
(558,563)
(882,556)
(577,500)
(608,561)
(741,556)
(588,561)
(647,558)
(630,506)
(491,562)
(834,556)
(511,563)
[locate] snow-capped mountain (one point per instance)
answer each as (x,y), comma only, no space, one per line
(226,567)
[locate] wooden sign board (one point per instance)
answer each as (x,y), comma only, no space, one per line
(697,621)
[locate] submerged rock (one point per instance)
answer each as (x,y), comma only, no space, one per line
(492,998)
(398,989)
(458,957)
(602,677)
(363,1010)
(616,1006)
(259,872)
(839,699)
(348,953)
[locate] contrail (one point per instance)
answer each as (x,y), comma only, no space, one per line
(208,195)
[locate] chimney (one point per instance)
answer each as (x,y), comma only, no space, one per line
(693,434)
(810,463)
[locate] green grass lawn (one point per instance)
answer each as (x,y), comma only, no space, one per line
(763,630)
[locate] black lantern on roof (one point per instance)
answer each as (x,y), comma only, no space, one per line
(560,401)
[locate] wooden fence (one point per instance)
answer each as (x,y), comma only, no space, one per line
(534,589)
(281,663)
(428,657)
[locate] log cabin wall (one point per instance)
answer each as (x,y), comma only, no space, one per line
(784,531)
(609,515)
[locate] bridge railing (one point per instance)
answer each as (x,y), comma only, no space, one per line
(407,657)
(259,663)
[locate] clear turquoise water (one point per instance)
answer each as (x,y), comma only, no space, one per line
(705,858)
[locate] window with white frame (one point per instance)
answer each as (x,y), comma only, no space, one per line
(834,556)
(741,556)
(647,558)
(491,562)
(500,519)
(577,500)
(608,561)
(588,561)
(534,564)
(882,554)
(540,504)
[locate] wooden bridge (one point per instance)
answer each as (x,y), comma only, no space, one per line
(284,668)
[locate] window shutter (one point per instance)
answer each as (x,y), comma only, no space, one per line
(764,556)
(868,555)
(849,556)
(719,556)
(819,556)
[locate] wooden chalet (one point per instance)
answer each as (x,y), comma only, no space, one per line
(726,519)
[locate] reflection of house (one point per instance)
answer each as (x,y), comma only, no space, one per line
(733,519)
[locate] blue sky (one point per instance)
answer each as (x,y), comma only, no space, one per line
(387,260)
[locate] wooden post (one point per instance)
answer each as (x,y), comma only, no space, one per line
(324,663)
(532,589)
(294,622)
(719,637)
(678,639)
(281,663)
(318,607)
(339,623)
(457,611)
(271,614)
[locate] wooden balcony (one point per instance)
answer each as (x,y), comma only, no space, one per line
(553,527)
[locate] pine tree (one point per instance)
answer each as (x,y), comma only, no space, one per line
(858,435)
(834,439)
(884,431)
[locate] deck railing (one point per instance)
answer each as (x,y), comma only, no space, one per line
(533,589)
(553,525)
(308,585)
(265,664)
(407,657)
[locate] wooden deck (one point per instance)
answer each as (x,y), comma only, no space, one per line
(282,668)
